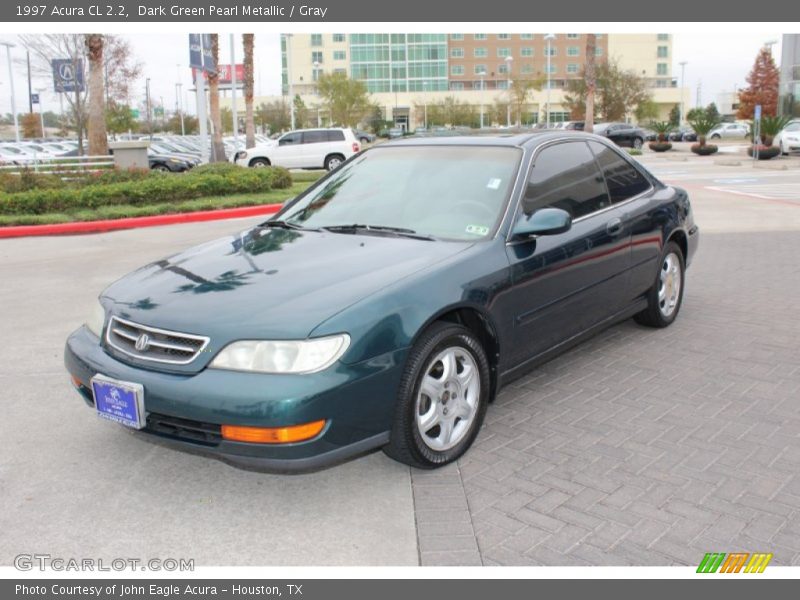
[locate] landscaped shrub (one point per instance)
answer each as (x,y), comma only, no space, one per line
(147,189)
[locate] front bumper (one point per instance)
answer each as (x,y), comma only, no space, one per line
(186,410)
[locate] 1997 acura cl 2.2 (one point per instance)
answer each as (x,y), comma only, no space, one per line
(387,304)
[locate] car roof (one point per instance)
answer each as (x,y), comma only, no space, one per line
(515,140)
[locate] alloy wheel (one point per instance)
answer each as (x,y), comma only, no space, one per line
(448,398)
(669,285)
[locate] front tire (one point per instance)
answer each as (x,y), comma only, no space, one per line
(665,297)
(637,143)
(259,163)
(442,398)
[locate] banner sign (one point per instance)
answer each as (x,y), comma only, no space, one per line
(67,75)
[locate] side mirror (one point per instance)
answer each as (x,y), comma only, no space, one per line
(545,221)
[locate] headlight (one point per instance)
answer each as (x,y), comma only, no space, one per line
(302,356)
(96,320)
(241,154)
(175,160)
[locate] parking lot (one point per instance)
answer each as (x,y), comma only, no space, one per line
(639,447)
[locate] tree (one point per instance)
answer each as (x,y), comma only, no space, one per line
(300,112)
(249,119)
(347,100)
(518,93)
(675,115)
(119,65)
(646,111)
(96,125)
(217,147)
(763,80)
(274,115)
(449,111)
(121,69)
(190,124)
(590,79)
(499,111)
(120,119)
(31,125)
(619,92)
(226,116)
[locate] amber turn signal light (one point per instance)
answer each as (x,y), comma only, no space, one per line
(75,381)
(272,435)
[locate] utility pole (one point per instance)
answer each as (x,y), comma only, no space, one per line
(287,38)
(482,74)
(697,101)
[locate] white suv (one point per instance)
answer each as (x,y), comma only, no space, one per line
(303,149)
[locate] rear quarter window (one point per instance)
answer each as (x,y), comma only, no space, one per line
(623,179)
(335,135)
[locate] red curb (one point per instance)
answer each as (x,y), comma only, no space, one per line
(134,222)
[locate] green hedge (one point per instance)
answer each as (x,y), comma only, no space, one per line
(140,189)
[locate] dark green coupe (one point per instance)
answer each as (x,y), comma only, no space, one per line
(386,305)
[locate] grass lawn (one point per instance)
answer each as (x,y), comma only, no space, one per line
(300,180)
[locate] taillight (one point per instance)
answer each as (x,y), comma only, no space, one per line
(356,147)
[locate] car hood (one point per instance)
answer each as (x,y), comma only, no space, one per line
(268,283)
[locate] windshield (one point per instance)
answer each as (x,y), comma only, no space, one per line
(793,126)
(449,192)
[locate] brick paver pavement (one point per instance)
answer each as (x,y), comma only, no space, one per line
(644,447)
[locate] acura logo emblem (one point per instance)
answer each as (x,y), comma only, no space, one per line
(142,343)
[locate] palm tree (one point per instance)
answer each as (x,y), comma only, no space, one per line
(249,122)
(702,125)
(98,142)
(590,75)
(217,147)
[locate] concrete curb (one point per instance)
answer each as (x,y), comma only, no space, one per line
(80,227)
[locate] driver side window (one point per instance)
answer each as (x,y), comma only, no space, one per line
(566,176)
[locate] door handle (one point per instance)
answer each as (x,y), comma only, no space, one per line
(614,226)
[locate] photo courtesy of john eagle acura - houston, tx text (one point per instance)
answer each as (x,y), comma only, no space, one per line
(386,305)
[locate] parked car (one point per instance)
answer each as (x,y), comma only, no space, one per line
(364,137)
(386,305)
(682,134)
(729,131)
(788,140)
(173,164)
(303,149)
(622,134)
(649,135)
(575,125)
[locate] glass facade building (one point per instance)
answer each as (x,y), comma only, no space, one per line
(399,62)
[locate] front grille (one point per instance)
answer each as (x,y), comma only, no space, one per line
(149,343)
(184,429)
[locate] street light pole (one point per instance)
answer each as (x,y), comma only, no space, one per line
(424,93)
(509,60)
(682,114)
(549,37)
(287,38)
(8,46)
(482,74)
(148,107)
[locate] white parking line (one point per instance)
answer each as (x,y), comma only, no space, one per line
(771,191)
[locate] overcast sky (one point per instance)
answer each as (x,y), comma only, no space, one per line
(716,61)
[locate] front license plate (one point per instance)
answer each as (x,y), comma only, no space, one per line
(119,401)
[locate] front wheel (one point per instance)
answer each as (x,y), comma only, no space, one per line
(716,136)
(160,167)
(665,297)
(637,143)
(442,398)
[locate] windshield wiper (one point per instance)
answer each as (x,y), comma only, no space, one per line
(379,229)
(287,225)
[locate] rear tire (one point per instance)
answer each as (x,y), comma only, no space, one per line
(638,143)
(333,161)
(159,167)
(666,296)
(442,398)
